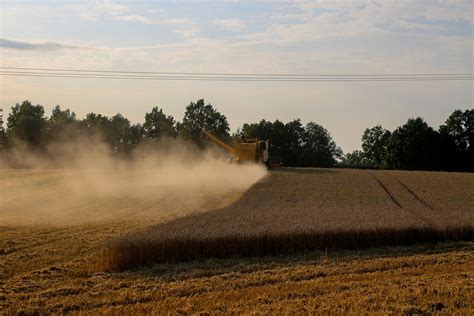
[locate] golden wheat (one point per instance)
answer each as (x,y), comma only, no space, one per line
(306,209)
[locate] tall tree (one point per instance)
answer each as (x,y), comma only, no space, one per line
(414,146)
(158,125)
(96,126)
(95,123)
(118,134)
(295,144)
(26,123)
(460,126)
(61,122)
(262,130)
(374,145)
(200,115)
(285,139)
(59,116)
(459,130)
(320,148)
(136,135)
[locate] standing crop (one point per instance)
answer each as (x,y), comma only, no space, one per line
(298,210)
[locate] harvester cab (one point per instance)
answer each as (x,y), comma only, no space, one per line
(247,150)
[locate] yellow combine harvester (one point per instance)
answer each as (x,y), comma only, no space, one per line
(247,150)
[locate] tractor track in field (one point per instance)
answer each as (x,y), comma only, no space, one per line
(419,199)
(397,203)
(387,191)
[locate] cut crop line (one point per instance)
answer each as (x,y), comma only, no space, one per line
(394,200)
(414,194)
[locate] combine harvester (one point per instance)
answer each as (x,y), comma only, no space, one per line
(248,150)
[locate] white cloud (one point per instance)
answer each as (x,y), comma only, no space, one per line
(108,10)
(177,21)
(451,10)
(314,21)
(135,18)
(185,27)
(188,32)
(230,24)
(408,25)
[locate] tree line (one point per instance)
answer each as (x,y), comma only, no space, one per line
(417,146)
(413,146)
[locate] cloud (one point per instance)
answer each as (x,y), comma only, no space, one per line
(184,26)
(230,24)
(413,26)
(108,10)
(177,21)
(310,22)
(40,46)
(334,37)
(188,32)
(135,18)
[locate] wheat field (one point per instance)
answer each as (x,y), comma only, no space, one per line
(50,250)
(308,209)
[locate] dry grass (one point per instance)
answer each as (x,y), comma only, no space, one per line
(299,210)
(425,278)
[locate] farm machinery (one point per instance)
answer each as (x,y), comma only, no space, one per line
(247,150)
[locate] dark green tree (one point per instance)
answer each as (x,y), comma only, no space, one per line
(96,126)
(61,123)
(198,116)
(374,145)
(26,123)
(414,146)
(95,123)
(136,135)
(459,130)
(118,133)
(261,130)
(460,125)
(59,116)
(293,137)
(320,150)
(295,144)
(355,159)
(158,125)
(286,140)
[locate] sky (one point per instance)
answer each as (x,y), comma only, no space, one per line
(303,37)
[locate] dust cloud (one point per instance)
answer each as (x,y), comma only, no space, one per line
(82,182)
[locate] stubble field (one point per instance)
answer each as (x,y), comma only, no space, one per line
(53,262)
